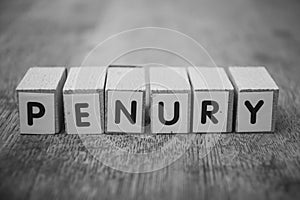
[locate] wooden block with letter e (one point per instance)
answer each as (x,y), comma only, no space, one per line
(256,99)
(212,99)
(40,100)
(125,100)
(84,100)
(170,100)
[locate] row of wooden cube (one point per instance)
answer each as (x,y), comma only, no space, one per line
(94,100)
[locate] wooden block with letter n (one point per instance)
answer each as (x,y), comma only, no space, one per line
(40,100)
(125,93)
(84,100)
(256,99)
(170,100)
(212,99)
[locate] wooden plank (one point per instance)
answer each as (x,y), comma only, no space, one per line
(125,100)
(240,166)
(211,88)
(84,100)
(256,99)
(170,95)
(40,100)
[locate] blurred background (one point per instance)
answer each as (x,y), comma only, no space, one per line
(234,32)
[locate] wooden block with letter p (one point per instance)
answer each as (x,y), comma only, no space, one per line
(212,99)
(40,100)
(256,99)
(170,100)
(125,93)
(84,100)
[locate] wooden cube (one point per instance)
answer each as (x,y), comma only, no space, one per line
(256,99)
(212,100)
(84,100)
(125,100)
(40,100)
(170,94)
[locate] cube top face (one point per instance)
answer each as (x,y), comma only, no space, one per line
(41,79)
(84,100)
(170,100)
(252,79)
(213,93)
(85,80)
(125,93)
(256,99)
(125,79)
(168,80)
(209,78)
(40,100)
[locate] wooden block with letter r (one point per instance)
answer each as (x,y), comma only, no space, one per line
(40,100)
(84,100)
(125,93)
(212,99)
(170,99)
(256,99)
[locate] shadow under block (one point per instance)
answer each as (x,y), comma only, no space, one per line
(170,95)
(40,100)
(125,93)
(212,100)
(256,99)
(84,100)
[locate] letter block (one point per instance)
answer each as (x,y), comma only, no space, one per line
(40,100)
(170,100)
(125,100)
(84,100)
(256,99)
(213,100)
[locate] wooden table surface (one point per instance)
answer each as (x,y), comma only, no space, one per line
(235,32)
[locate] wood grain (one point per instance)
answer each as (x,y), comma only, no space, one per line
(248,166)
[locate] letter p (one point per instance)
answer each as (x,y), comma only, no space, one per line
(31,115)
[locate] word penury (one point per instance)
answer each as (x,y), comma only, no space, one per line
(119,99)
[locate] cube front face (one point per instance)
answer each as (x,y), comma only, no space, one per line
(255,111)
(170,112)
(82,113)
(37,113)
(125,111)
(211,111)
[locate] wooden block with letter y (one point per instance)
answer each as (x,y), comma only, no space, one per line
(212,99)
(84,100)
(125,93)
(256,99)
(40,100)
(170,100)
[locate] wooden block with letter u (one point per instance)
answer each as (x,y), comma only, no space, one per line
(84,100)
(125,94)
(170,100)
(40,100)
(212,99)
(256,99)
